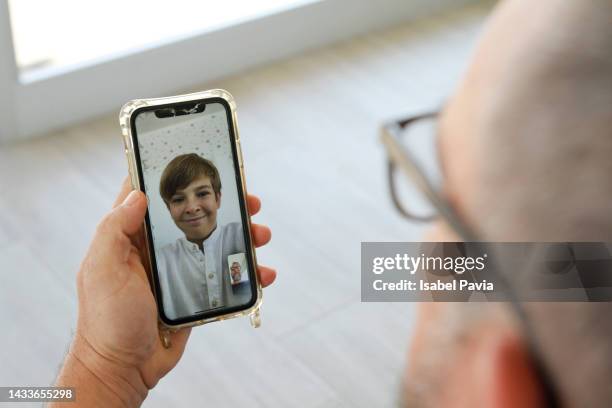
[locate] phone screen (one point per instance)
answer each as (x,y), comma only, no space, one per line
(196,220)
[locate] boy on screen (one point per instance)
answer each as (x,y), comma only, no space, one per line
(193,270)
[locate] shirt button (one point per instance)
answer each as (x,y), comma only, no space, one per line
(211,276)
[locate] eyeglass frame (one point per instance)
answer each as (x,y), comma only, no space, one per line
(399,156)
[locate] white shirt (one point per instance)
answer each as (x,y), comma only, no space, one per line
(194,280)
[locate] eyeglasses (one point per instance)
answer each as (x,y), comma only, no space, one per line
(415,172)
(415,176)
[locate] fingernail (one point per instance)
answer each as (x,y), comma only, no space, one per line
(131,198)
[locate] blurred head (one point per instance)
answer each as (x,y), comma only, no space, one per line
(191,188)
(526,143)
(235,272)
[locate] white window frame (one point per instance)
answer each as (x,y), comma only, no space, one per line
(58,96)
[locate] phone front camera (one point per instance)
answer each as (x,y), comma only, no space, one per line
(164,113)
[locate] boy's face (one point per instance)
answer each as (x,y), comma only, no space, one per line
(194,208)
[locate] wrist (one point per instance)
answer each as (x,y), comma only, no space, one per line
(100,381)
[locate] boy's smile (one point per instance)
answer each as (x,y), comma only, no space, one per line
(194,209)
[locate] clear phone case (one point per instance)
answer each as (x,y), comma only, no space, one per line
(125,121)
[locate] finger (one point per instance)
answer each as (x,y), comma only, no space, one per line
(112,239)
(266,274)
(126,187)
(138,237)
(165,357)
(138,240)
(253,204)
(181,335)
(178,340)
(261,234)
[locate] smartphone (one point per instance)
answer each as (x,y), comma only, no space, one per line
(184,153)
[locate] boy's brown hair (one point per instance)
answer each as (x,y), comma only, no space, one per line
(184,169)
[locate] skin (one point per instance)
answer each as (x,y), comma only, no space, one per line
(116,355)
(194,209)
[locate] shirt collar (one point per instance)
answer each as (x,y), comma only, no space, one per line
(213,237)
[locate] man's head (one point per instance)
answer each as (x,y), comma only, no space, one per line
(191,188)
(525,138)
(235,272)
(526,144)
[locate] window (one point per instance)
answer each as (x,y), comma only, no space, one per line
(68,60)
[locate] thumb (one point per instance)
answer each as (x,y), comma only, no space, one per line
(129,216)
(112,236)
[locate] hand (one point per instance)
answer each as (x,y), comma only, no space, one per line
(117,335)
